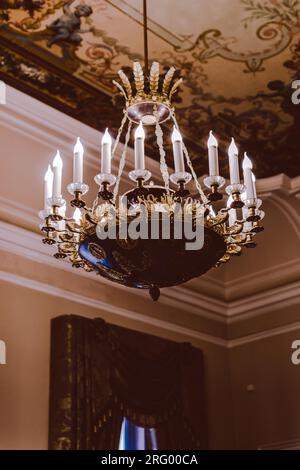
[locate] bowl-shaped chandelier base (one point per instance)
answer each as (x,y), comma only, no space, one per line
(148,112)
(146,263)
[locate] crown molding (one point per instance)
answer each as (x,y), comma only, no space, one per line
(197,303)
(289,209)
(17,211)
(258,304)
(141,318)
(263,279)
(280,330)
(112,309)
(280,182)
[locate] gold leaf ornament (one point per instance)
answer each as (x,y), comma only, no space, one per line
(138,77)
(154,77)
(120,88)
(175,87)
(167,80)
(126,83)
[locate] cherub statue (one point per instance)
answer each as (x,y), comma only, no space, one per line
(68,26)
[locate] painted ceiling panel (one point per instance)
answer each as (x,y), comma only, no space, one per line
(237,57)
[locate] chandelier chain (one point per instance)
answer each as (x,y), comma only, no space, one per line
(162,153)
(122,160)
(190,165)
(125,117)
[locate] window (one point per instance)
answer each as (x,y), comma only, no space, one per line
(136,437)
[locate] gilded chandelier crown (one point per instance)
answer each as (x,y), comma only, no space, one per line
(147,99)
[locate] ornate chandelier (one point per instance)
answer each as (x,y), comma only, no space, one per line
(101,237)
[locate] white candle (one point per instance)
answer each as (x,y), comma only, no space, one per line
(233,163)
(57,174)
(78,162)
(213,162)
(177,151)
(248,177)
(254,185)
(106,153)
(77,216)
(139,151)
(48,182)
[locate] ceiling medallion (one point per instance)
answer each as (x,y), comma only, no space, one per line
(153,236)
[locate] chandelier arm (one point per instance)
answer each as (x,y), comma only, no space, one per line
(237,228)
(162,153)
(189,163)
(122,160)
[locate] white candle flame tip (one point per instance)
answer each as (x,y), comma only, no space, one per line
(49,174)
(247,162)
(139,132)
(232,149)
(106,139)
(57,161)
(78,148)
(212,141)
(176,136)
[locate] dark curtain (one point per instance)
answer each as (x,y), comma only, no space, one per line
(101,373)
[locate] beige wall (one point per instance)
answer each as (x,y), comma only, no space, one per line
(24,381)
(270,414)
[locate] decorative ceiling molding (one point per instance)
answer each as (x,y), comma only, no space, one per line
(255,305)
(287,208)
(112,309)
(281,183)
(18,212)
(285,272)
(144,319)
(280,330)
